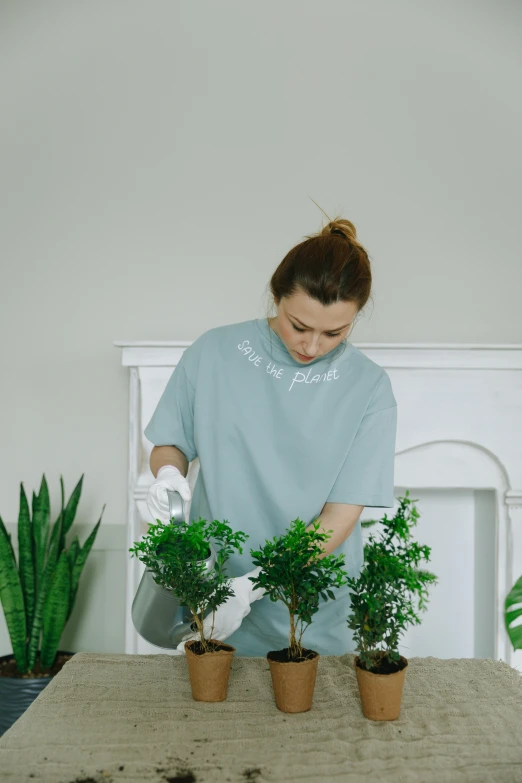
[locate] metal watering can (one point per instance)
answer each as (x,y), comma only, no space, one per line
(157,613)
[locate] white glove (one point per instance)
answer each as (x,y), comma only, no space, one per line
(168,478)
(229,616)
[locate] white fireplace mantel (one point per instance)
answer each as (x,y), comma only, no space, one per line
(459,428)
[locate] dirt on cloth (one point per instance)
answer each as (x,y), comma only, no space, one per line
(115,718)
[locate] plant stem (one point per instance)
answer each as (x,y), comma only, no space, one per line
(293,642)
(292,632)
(212,629)
(203,640)
(199,622)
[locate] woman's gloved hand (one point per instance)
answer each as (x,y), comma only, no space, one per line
(168,478)
(229,616)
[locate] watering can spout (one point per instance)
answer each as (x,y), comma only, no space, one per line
(157,613)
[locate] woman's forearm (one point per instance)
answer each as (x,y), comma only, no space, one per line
(168,455)
(341,519)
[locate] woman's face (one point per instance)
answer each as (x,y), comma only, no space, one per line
(309,328)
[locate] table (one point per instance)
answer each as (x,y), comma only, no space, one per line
(113,718)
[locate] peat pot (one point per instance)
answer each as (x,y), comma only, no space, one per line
(209,672)
(293,681)
(18,691)
(381,694)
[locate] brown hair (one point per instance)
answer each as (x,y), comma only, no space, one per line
(330,266)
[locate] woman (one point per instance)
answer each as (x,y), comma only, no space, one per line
(288,420)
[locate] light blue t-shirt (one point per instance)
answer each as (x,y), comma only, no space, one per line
(276,440)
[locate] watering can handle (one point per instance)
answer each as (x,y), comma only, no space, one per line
(176,506)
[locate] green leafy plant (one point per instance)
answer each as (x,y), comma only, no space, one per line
(384,592)
(512,611)
(39,593)
(176,553)
(293,571)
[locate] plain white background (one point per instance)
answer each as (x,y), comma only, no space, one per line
(157,162)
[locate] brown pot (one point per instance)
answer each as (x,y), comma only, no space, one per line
(381,694)
(293,681)
(209,672)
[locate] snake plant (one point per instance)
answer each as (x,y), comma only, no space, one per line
(38,595)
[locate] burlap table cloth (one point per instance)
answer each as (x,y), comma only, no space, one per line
(112,717)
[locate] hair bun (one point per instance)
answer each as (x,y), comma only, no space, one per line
(343,228)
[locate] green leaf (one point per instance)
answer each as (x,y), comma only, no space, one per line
(26,558)
(74,551)
(72,505)
(11,596)
(43,588)
(55,610)
(369,522)
(514,631)
(41,516)
(79,562)
(55,547)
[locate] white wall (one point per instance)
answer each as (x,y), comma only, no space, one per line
(157,161)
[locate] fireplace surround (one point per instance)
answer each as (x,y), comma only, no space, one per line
(458,449)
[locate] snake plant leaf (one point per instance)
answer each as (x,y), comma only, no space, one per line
(55,542)
(72,505)
(41,515)
(514,597)
(80,561)
(12,599)
(43,588)
(74,550)
(61,545)
(10,545)
(26,557)
(55,610)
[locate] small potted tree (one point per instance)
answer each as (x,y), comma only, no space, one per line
(38,596)
(382,607)
(295,571)
(176,555)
